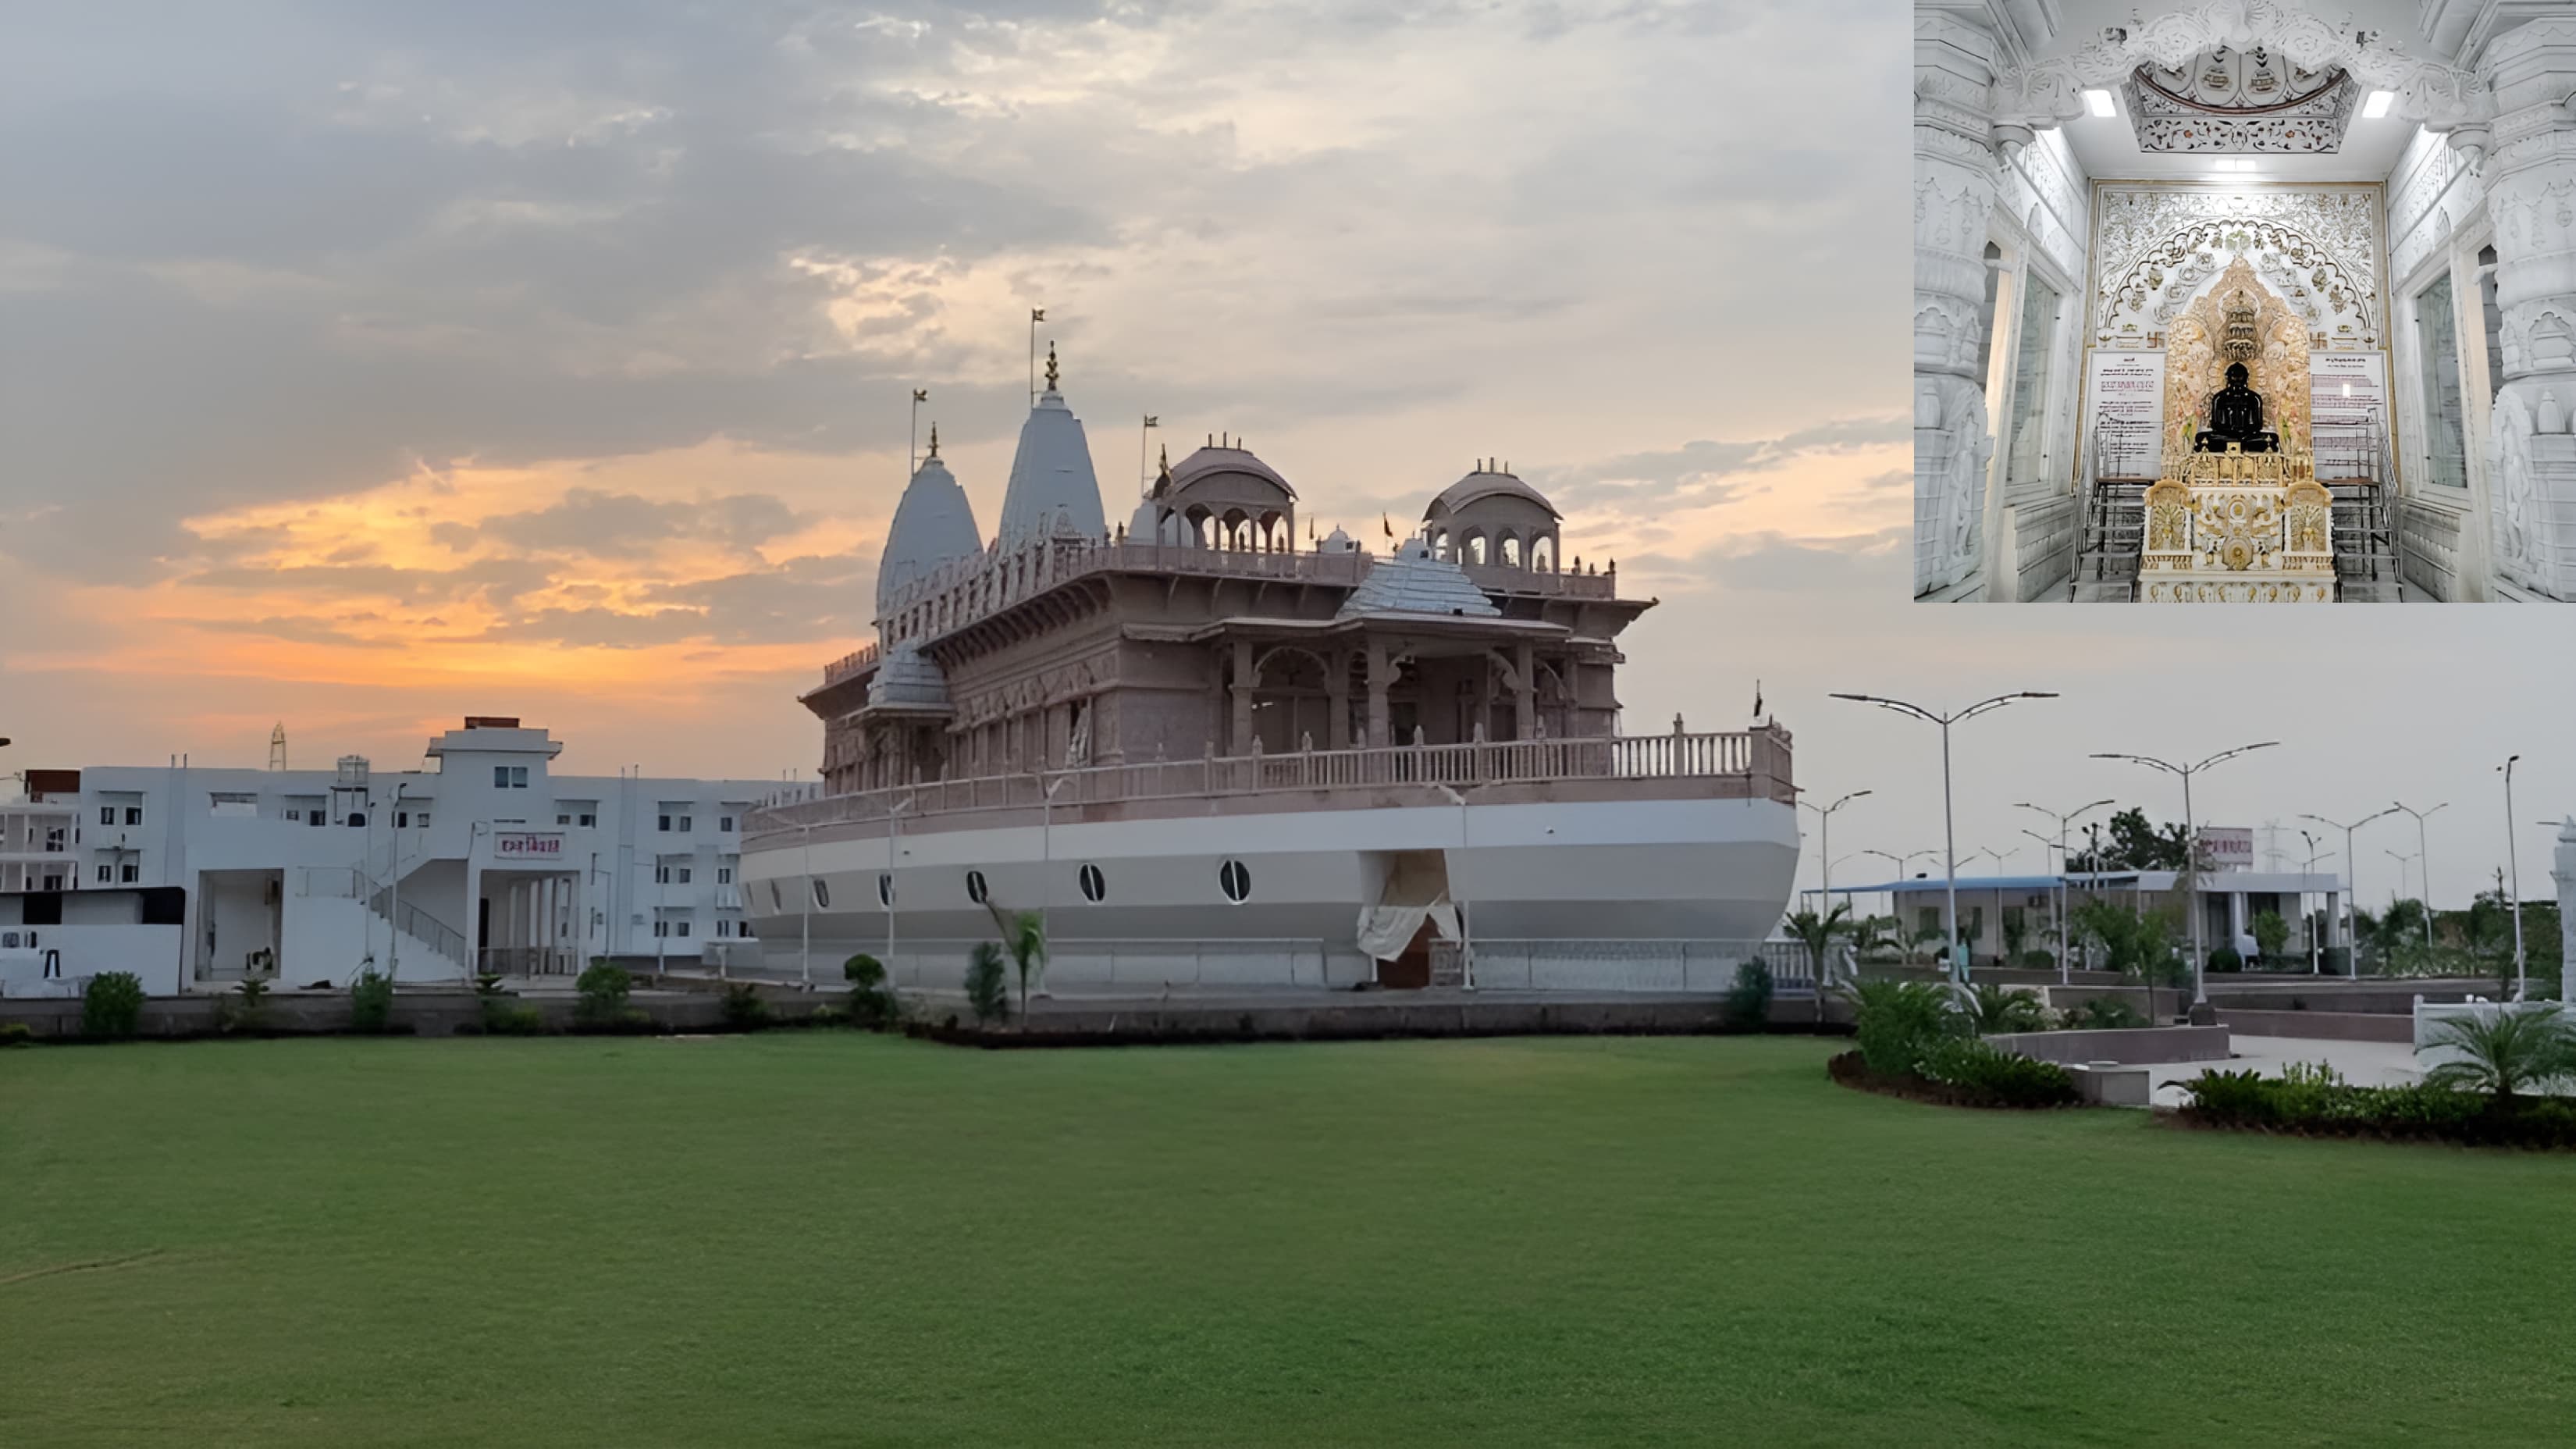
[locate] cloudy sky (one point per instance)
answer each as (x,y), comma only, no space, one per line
(363,366)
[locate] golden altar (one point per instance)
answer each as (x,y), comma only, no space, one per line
(2238,528)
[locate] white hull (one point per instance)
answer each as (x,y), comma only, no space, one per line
(1595,875)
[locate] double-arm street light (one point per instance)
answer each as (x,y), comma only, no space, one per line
(2521,987)
(1825,839)
(1949,834)
(2352,886)
(2063,821)
(2424,850)
(2191,851)
(2403,861)
(2306,922)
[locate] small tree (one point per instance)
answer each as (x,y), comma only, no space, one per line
(112,1005)
(371,1000)
(1747,1005)
(985,990)
(872,1000)
(603,989)
(1024,940)
(1816,933)
(2271,936)
(2504,1054)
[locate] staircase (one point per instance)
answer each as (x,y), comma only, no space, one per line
(2115,532)
(2365,545)
(443,941)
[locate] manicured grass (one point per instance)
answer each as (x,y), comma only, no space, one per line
(828,1238)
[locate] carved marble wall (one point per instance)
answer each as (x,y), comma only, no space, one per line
(2530,181)
(1955,189)
(2156,248)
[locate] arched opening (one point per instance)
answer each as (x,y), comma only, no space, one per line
(1471,546)
(1543,554)
(1510,551)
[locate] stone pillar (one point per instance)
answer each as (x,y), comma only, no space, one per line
(1381,673)
(1337,694)
(1524,693)
(2531,195)
(1954,198)
(1241,743)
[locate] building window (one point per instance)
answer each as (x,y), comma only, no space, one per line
(743,929)
(107,815)
(402,820)
(2438,353)
(589,822)
(724,875)
(661,929)
(680,929)
(1094,888)
(724,928)
(725,824)
(975,886)
(670,875)
(1235,879)
(885,889)
(822,896)
(315,817)
(666,824)
(685,824)
(509,777)
(563,820)
(106,873)
(357,820)
(130,873)
(133,814)
(775,903)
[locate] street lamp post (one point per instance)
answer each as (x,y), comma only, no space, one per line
(1949,834)
(2424,849)
(2062,822)
(2305,924)
(2352,887)
(1825,839)
(1899,861)
(2191,853)
(2402,862)
(1466,921)
(894,815)
(2521,987)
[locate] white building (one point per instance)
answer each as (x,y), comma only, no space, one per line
(484,861)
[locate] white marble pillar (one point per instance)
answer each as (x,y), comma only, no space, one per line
(1955,59)
(2531,195)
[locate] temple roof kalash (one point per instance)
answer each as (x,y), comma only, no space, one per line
(1052,490)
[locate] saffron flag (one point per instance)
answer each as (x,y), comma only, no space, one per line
(921,394)
(1037,314)
(1383,522)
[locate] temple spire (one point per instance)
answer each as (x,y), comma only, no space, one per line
(934,440)
(1051,387)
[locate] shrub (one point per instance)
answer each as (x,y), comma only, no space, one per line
(2504,1052)
(112,1005)
(2104,1013)
(2006,1079)
(603,991)
(371,1001)
(1895,1021)
(984,989)
(1747,1006)
(744,1010)
(1993,1007)
(2224,958)
(16,1033)
(2244,1098)
(500,1018)
(873,1004)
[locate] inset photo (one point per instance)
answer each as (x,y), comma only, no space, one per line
(2244,302)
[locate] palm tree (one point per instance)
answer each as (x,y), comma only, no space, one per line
(1998,1008)
(2504,1054)
(1024,937)
(1817,933)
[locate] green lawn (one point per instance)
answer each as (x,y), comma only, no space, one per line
(813,1238)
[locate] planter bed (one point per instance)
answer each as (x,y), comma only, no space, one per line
(1848,1069)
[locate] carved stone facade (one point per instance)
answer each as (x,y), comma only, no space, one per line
(2157,248)
(1955,188)
(2531,199)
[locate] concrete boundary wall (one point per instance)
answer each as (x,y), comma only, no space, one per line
(2133,1045)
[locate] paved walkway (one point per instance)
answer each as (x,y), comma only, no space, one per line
(2363,1063)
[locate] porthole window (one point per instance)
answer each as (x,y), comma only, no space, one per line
(1235,879)
(975,886)
(775,903)
(822,896)
(885,889)
(1093,887)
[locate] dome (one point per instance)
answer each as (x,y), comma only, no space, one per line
(1217,459)
(1413,581)
(933,526)
(1486,484)
(905,679)
(1053,490)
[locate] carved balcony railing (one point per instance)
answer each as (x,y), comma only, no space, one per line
(1745,764)
(973,588)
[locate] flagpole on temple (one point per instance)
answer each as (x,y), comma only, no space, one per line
(1143,483)
(912,440)
(1036,316)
